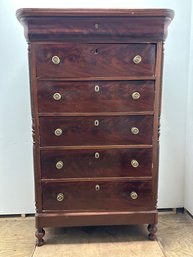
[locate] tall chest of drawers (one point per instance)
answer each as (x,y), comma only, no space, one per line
(95,78)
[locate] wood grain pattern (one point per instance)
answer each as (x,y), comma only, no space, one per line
(111,196)
(108,60)
(82,130)
(95,46)
(83,97)
(84,164)
(114,24)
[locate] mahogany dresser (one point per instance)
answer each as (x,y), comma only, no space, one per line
(95,78)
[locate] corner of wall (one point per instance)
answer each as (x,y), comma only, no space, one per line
(188,200)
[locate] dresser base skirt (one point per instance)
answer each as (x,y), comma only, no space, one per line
(73,219)
(94,219)
(78,219)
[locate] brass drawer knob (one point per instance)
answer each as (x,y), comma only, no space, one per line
(96,123)
(133,195)
(136,95)
(97,187)
(59,165)
(134,163)
(96,155)
(55,59)
(58,132)
(60,197)
(137,59)
(134,130)
(96,88)
(57,96)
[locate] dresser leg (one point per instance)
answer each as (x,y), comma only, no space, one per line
(40,232)
(152,231)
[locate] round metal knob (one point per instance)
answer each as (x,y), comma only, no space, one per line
(55,59)
(96,123)
(137,59)
(96,155)
(58,132)
(57,96)
(97,187)
(134,195)
(134,130)
(96,88)
(60,197)
(59,165)
(134,163)
(136,95)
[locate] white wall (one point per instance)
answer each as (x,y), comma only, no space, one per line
(173,119)
(16,176)
(16,172)
(188,198)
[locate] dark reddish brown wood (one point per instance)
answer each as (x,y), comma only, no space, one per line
(99,60)
(82,130)
(111,196)
(71,219)
(75,12)
(117,24)
(95,47)
(83,97)
(152,231)
(158,85)
(40,232)
(91,163)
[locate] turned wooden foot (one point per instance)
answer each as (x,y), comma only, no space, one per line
(152,231)
(40,232)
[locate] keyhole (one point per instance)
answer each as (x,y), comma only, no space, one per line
(96,51)
(96,26)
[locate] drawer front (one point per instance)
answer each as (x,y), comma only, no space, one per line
(99,195)
(94,60)
(89,163)
(96,130)
(97,28)
(99,96)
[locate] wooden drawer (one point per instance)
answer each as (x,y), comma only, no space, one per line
(97,195)
(94,60)
(95,28)
(99,96)
(89,163)
(96,130)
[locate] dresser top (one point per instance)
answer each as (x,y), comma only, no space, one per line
(95,25)
(47,12)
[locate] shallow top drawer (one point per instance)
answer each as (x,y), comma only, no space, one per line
(107,24)
(73,60)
